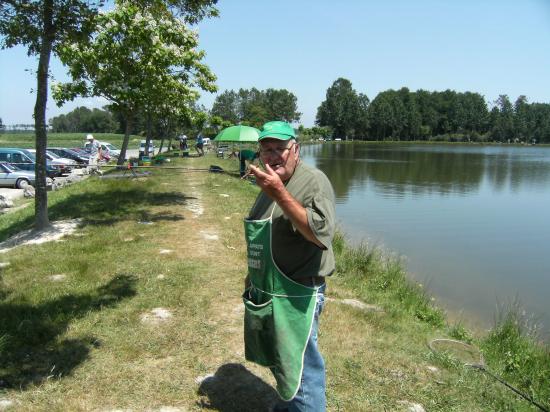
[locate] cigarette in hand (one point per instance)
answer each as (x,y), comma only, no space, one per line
(248,173)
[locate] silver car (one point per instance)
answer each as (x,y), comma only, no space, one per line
(11,176)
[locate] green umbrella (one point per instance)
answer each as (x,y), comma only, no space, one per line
(238,134)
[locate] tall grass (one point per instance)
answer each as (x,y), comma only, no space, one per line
(381,276)
(514,351)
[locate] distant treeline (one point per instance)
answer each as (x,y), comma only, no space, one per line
(106,120)
(424,115)
(346,114)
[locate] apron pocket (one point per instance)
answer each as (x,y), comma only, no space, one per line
(259,340)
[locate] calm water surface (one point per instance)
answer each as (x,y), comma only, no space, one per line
(472,222)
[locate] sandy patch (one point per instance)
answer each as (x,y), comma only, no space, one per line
(412,407)
(57,278)
(170,409)
(224,195)
(156,315)
(161,277)
(209,236)
(165,251)
(6,404)
(30,237)
(4,265)
(201,379)
(239,309)
(358,304)
(195,205)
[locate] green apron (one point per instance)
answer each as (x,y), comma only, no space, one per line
(278,312)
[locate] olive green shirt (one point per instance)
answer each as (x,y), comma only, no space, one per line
(296,256)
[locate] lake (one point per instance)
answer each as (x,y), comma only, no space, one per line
(471,222)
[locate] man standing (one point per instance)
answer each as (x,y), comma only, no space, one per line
(289,234)
(244,155)
(94,148)
(199,145)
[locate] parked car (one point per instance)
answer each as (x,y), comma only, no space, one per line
(81,152)
(109,148)
(11,176)
(25,160)
(65,165)
(70,154)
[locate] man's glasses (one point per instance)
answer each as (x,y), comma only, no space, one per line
(279,151)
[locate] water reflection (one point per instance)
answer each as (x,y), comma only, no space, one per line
(399,170)
(472,221)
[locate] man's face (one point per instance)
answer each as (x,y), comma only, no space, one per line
(282,156)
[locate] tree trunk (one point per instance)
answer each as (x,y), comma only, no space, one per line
(127,132)
(41,193)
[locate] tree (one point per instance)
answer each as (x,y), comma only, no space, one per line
(503,129)
(281,104)
(255,107)
(84,120)
(521,119)
(140,59)
(43,26)
(361,126)
(2,126)
(340,109)
(226,106)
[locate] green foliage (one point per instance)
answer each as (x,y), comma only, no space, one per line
(459,332)
(512,349)
(255,107)
(344,111)
(84,120)
(138,58)
(313,133)
(26,21)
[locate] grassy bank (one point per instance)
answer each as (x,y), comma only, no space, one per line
(82,326)
(27,140)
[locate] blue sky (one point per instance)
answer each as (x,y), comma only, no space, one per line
(486,46)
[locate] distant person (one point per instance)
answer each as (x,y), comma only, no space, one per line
(183,142)
(94,147)
(245,155)
(200,144)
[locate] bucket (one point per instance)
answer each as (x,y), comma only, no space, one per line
(146,161)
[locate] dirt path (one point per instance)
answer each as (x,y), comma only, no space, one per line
(213,239)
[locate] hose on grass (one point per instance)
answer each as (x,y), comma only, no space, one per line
(471,356)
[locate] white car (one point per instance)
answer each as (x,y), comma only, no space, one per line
(63,164)
(109,148)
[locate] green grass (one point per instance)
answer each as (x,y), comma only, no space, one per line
(80,344)
(27,140)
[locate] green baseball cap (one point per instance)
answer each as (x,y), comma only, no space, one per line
(277,130)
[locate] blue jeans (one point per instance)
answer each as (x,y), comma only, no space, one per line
(311,394)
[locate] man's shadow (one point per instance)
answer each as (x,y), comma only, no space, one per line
(233,388)
(31,350)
